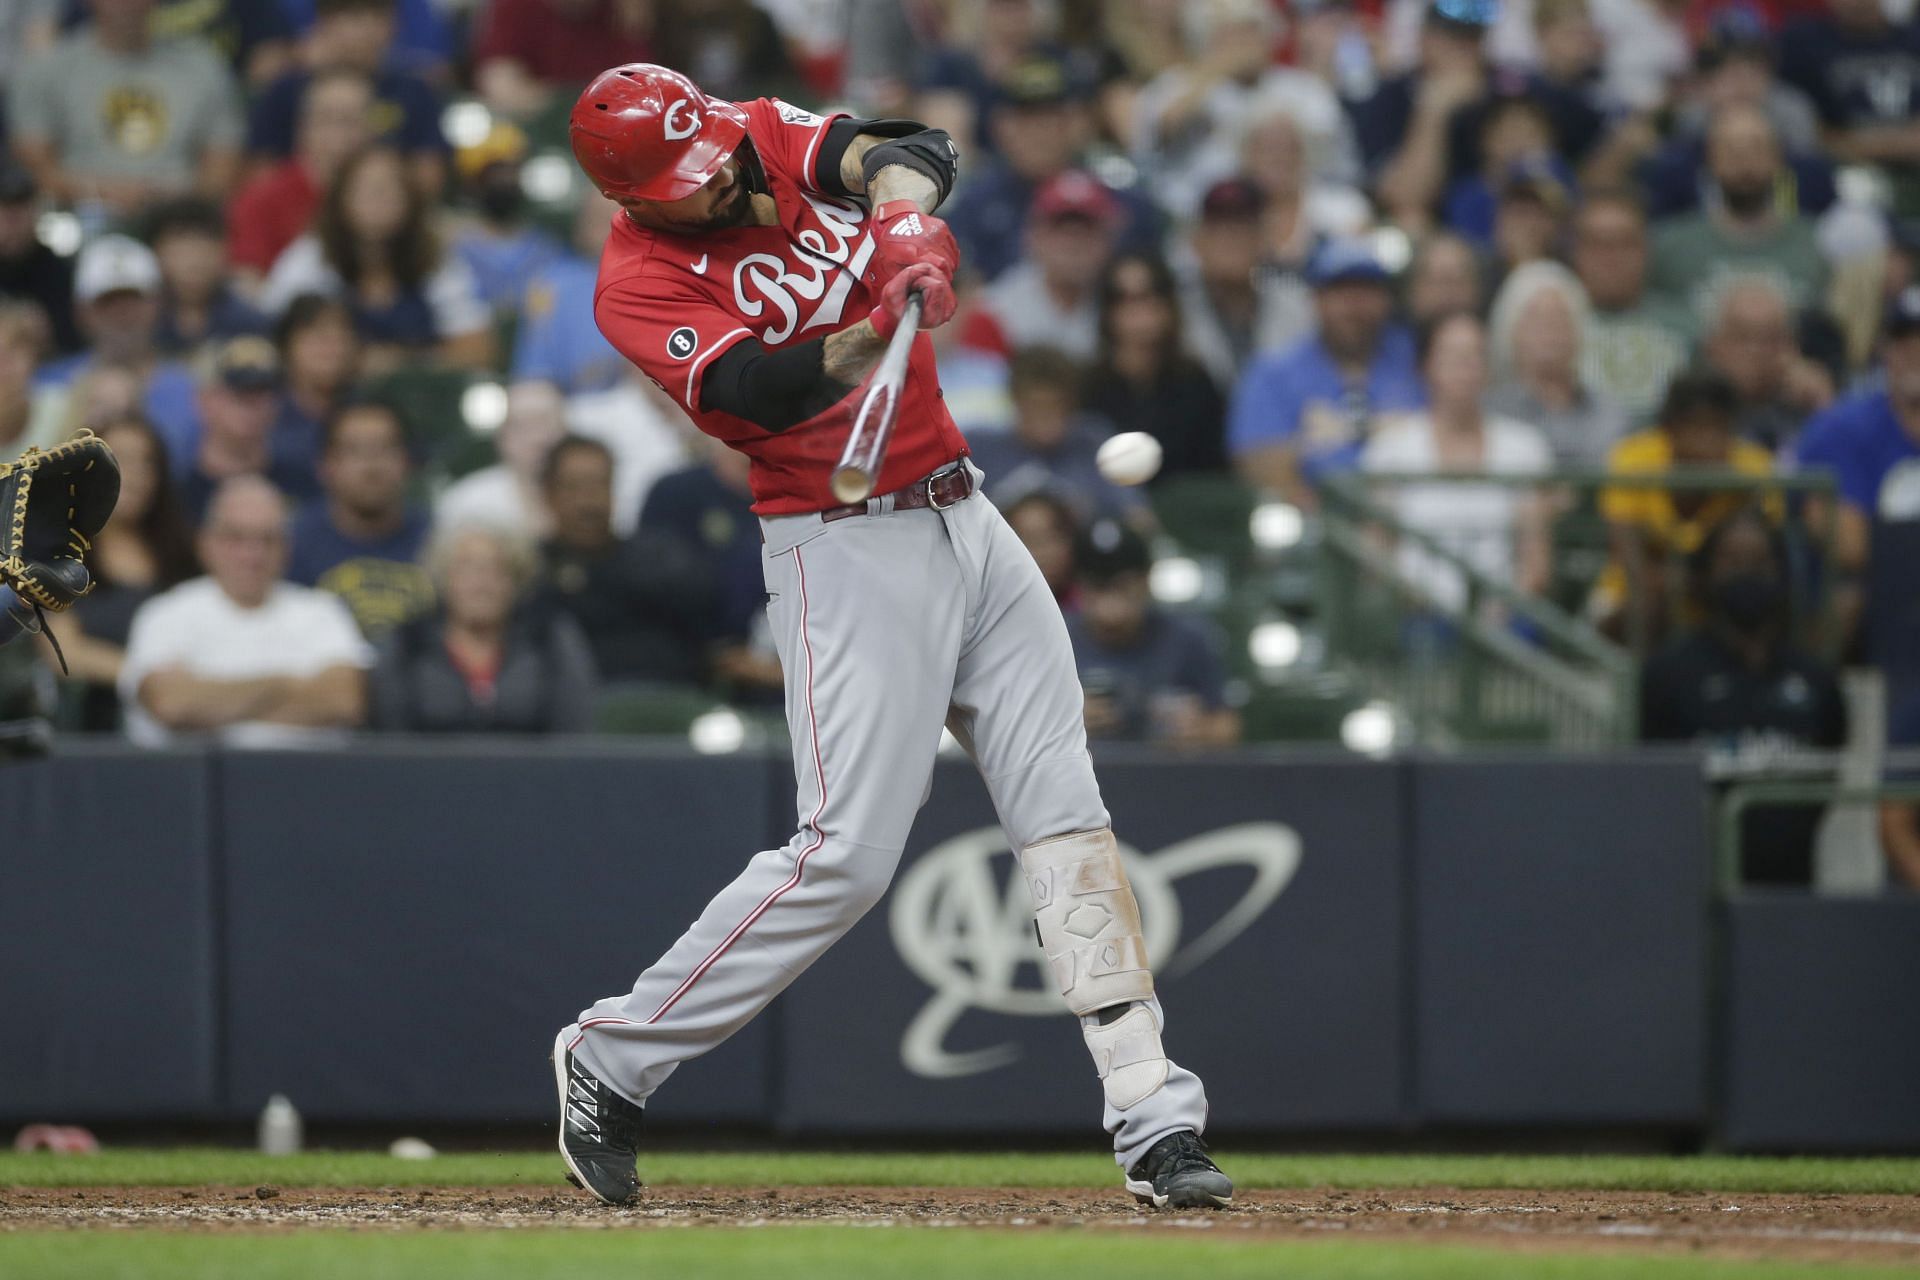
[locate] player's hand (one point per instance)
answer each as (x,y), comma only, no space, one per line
(904,236)
(937,302)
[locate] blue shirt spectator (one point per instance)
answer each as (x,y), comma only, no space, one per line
(1306,411)
(1861,440)
(406,104)
(1860,69)
(558,341)
(711,515)
(422,40)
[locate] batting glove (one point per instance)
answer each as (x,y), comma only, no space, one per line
(936,299)
(903,236)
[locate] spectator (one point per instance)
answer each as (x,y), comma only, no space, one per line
(1189,121)
(362,539)
(502,249)
(1647,51)
(1049,297)
(1233,304)
(238,401)
(320,354)
(1568,82)
(117,290)
(1307,411)
(357,36)
(1053,441)
(30,416)
(707,509)
(276,205)
(146,548)
(1540,328)
(647,610)
(1870,441)
(1148,675)
(558,341)
(1499,530)
(1741,231)
(256,40)
(507,493)
(421,42)
(1142,380)
(1039,126)
(1515,137)
(1636,341)
(199,305)
(1750,342)
(991,47)
(645,431)
(374,247)
(1738,683)
(29,270)
(1301,205)
(1530,217)
(1444,276)
(486,661)
(241,653)
(1653,528)
(28,29)
(1415,130)
(730,48)
(1862,71)
(1048,528)
(114,119)
(526,51)
(972,351)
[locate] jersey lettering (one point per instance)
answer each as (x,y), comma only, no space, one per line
(762,280)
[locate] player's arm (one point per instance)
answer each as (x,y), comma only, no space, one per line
(903,170)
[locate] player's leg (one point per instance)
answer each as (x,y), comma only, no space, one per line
(1019,710)
(867,615)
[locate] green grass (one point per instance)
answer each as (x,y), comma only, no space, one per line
(195,1165)
(840,1253)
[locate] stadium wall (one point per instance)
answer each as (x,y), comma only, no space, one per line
(1345,946)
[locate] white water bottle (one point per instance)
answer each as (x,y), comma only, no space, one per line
(279,1127)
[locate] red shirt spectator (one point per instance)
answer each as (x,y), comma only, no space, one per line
(275,206)
(525,47)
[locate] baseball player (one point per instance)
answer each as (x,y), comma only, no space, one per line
(760,262)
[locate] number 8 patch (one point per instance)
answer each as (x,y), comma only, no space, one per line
(681,343)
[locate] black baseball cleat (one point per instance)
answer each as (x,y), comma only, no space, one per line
(1177,1174)
(599,1129)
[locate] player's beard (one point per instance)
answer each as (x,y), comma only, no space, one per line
(734,211)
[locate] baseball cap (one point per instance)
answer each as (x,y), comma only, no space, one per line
(247,363)
(1903,314)
(1467,18)
(1231,199)
(504,143)
(1734,32)
(1535,177)
(16,182)
(1345,262)
(1075,194)
(1106,549)
(1035,82)
(114,264)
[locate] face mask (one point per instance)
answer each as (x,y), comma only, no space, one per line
(1749,601)
(500,201)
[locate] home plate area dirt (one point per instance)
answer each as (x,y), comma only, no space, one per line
(1882,1229)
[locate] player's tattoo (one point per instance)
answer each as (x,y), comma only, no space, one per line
(895,182)
(848,356)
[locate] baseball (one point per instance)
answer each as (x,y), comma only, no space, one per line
(1132,457)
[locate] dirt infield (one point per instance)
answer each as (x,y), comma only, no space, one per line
(1884,1229)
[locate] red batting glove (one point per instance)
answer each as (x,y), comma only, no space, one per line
(937,303)
(903,236)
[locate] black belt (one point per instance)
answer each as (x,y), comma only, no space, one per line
(937,491)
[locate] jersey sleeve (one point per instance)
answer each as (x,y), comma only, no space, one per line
(788,139)
(669,329)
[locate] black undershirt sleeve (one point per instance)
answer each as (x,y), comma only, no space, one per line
(833,147)
(773,390)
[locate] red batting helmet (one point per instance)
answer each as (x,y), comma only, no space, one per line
(648,133)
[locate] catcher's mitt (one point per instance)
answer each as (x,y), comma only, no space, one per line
(52,504)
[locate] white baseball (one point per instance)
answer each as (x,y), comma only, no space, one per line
(1132,457)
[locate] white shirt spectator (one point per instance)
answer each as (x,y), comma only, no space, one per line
(1476,522)
(1030,317)
(452,294)
(298,631)
(492,496)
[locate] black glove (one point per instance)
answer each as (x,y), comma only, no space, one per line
(52,504)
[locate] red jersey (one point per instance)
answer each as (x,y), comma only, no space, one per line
(671,303)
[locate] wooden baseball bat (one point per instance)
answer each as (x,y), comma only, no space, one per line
(866,452)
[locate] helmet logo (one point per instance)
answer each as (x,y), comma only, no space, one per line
(676,133)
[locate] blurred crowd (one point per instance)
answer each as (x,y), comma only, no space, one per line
(1296,241)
